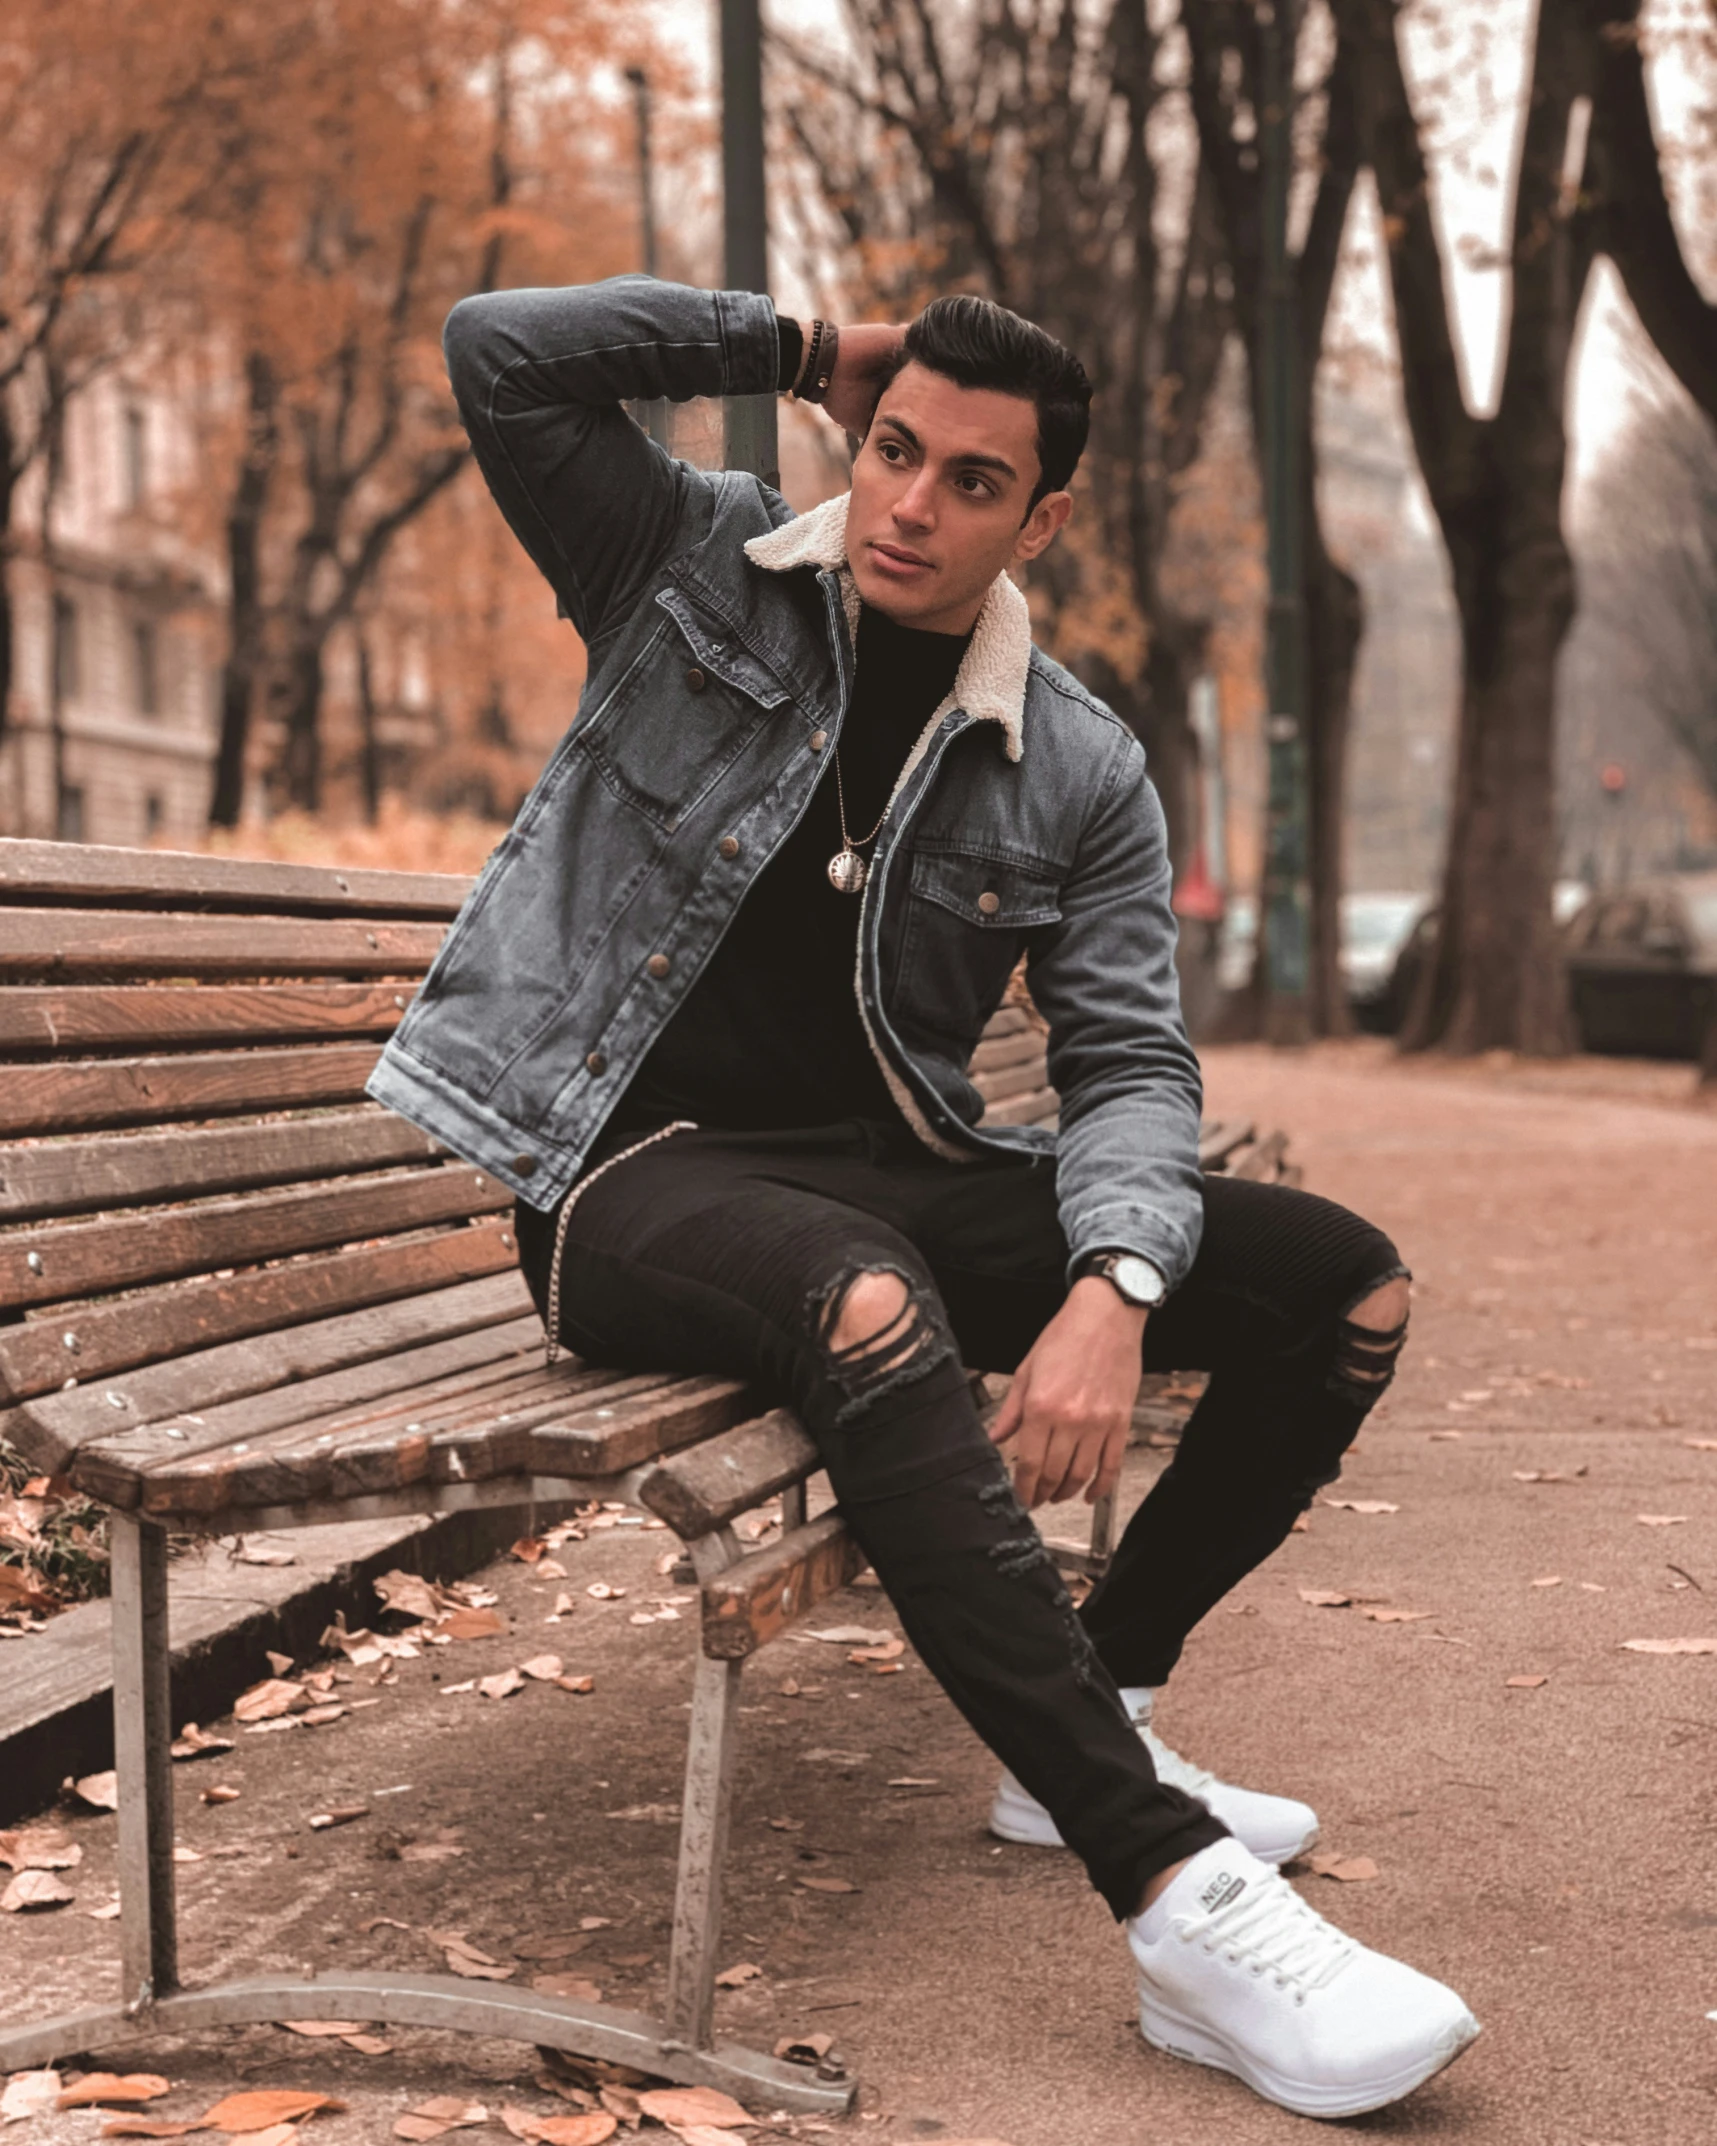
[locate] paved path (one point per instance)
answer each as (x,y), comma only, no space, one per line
(1552,1851)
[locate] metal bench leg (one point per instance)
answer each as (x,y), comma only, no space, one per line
(1102,1533)
(142,1733)
(704,1813)
(793,1505)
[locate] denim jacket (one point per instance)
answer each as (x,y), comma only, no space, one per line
(720,632)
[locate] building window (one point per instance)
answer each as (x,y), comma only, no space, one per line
(71,814)
(145,678)
(67,684)
(136,465)
(154,812)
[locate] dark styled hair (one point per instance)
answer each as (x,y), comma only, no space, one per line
(976,343)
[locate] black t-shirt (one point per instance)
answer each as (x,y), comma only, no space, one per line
(770,1035)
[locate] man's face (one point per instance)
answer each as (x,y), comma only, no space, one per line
(939,499)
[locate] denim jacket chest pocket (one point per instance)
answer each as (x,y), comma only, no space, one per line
(967,919)
(682,712)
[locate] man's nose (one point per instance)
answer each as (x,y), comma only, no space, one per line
(916,506)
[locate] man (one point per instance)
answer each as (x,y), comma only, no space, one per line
(708,1011)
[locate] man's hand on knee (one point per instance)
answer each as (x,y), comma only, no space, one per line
(1070,1407)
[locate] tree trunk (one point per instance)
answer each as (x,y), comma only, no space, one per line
(1335,626)
(242,672)
(372,752)
(1495,980)
(299,699)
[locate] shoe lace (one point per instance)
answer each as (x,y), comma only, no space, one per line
(1174,1770)
(1271,1926)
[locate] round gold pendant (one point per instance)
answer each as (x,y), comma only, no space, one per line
(847,871)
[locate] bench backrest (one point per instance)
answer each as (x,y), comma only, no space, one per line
(188,1154)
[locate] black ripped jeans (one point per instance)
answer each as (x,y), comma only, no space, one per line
(728,1252)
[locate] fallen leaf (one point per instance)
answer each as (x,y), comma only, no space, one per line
(678,2105)
(100,2087)
(1550,1579)
(528,1549)
(706,2135)
(596,1922)
(447,2112)
(890,1650)
(578,1684)
(1661,1520)
(40,1848)
(650,1814)
(195,1743)
(579,1988)
(544,1667)
(341,1815)
(99,1790)
(32,1889)
(601,1591)
(258,1550)
(270,1699)
(846,1635)
(28,2093)
(828,1885)
(502,1686)
(564,1605)
(429,1851)
(219,1793)
(474,1624)
(318,2027)
(382,1922)
(1546,1475)
(733,1978)
(804,2048)
(1326,1598)
(318,1717)
(1397,1616)
(1349,1869)
(452,1691)
(411,1594)
(622,2101)
(589,2130)
(262,2108)
(107,1912)
(1362,1505)
(475,1970)
(1670,1646)
(1524,1683)
(367,2045)
(1701,1445)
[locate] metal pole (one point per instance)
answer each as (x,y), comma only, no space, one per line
(1286,907)
(750,419)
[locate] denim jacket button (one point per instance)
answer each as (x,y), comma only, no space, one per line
(728,846)
(989,902)
(524,1165)
(817,740)
(658,964)
(596,1064)
(695,680)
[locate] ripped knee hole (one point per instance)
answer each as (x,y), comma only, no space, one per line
(875,1333)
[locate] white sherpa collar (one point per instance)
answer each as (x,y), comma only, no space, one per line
(991,681)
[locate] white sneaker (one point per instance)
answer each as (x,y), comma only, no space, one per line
(1275,1828)
(1237,1972)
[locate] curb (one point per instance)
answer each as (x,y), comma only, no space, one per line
(56,1698)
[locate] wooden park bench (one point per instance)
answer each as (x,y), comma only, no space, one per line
(237,1295)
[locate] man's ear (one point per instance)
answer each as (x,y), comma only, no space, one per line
(1043,525)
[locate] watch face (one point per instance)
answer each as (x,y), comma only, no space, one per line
(1138,1281)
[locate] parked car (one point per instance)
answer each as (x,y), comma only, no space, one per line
(1642,967)
(1387,1010)
(1374,928)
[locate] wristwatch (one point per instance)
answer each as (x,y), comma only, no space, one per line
(1132,1277)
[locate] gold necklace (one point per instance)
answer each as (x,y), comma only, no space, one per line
(848,871)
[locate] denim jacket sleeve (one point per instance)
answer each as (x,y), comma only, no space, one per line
(540,376)
(1127,1175)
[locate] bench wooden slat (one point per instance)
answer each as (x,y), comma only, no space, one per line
(63,1017)
(1218,1138)
(114,1338)
(303,1462)
(108,1092)
(69,942)
(705,1486)
(1019,1047)
(51,1428)
(305,1408)
(757,1597)
(602,1441)
(1025,1078)
(89,872)
(80,1258)
(1037,1107)
(132,1169)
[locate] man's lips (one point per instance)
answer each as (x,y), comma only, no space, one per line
(896,558)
